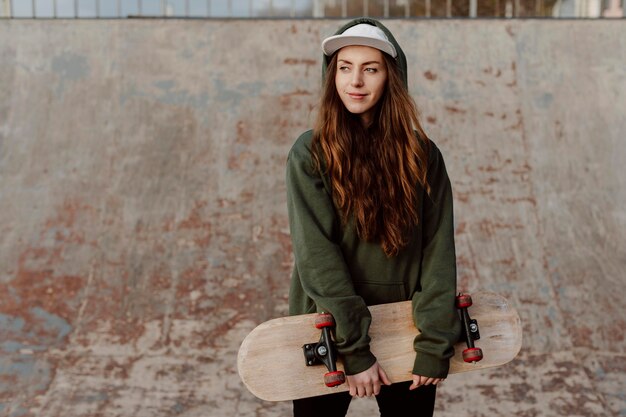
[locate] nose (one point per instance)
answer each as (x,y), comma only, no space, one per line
(357,79)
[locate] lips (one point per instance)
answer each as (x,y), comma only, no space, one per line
(356,96)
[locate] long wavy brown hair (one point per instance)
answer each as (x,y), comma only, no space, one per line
(374,170)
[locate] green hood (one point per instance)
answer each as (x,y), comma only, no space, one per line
(400,59)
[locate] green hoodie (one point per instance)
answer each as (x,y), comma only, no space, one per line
(337,272)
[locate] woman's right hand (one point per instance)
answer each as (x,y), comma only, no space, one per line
(368,382)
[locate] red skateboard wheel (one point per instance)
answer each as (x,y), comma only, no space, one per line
(324,320)
(332,379)
(472,354)
(463,301)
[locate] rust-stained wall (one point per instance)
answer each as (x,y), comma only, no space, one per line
(143,227)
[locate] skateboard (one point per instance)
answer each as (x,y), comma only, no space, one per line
(294,357)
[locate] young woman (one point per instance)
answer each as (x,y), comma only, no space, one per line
(370,213)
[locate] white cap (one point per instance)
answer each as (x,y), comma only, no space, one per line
(362,34)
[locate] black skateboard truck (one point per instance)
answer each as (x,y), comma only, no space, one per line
(324,351)
(470,329)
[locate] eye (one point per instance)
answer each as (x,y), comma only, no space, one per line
(371,70)
(343,68)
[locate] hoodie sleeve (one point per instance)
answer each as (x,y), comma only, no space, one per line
(434,310)
(319,261)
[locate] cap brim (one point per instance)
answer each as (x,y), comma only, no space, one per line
(335,43)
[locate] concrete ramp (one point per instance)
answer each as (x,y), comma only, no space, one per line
(143,224)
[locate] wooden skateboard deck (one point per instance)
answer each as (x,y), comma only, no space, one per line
(271,361)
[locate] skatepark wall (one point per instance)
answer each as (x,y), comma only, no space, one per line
(143,223)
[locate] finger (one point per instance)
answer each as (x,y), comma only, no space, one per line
(383,376)
(429,381)
(352,388)
(361,391)
(369,390)
(376,387)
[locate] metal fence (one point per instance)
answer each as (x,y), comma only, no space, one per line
(310,8)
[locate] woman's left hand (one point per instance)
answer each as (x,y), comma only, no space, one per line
(419,380)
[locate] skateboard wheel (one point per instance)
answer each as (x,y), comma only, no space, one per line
(332,379)
(463,301)
(472,354)
(324,320)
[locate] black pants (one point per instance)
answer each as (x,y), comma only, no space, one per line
(393,401)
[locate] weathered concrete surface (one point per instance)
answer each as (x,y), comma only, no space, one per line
(143,227)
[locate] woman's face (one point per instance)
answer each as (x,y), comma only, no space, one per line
(360,79)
